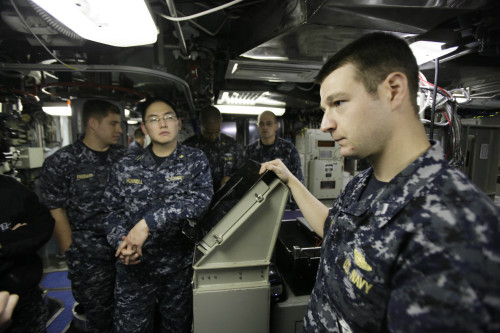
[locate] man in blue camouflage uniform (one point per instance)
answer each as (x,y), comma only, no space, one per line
(137,146)
(224,154)
(270,147)
(149,197)
(411,245)
(72,185)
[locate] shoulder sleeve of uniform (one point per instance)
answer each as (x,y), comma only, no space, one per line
(55,178)
(249,149)
(120,150)
(189,152)
(114,219)
(435,292)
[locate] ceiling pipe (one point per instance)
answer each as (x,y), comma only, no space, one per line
(104,69)
(178,30)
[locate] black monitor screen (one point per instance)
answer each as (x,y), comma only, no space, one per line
(228,196)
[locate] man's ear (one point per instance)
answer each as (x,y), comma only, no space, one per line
(143,128)
(396,85)
(93,123)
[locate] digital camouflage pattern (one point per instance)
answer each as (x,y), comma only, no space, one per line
(135,148)
(423,256)
(224,155)
(74,178)
(165,196)
(91,269)
(139,293)
(282,149)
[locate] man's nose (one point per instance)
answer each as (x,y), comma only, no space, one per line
(328,124)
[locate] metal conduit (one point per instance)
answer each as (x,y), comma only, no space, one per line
(177,26)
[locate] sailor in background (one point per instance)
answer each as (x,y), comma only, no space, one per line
(270,147)
(411,245)
(148,198)
(25,226)
(137,146)
(223,152)
(72,185)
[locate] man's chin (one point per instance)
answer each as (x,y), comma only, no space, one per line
(163,141)
(348,152)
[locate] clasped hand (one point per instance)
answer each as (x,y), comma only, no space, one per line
(130,250)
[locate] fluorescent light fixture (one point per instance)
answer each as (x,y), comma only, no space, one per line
(248,110)
(57,108)
(113,22)
(264,100)
(239,97)
(425,51)
(235,67)
(134,121)
(257,54)
(265,57)
(257,98)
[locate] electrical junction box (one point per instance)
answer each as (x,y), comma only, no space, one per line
(321,162)
(30,158)
(325,178)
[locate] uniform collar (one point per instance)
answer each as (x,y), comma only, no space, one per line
(86,152)
(202,140)
(261,145)
(407,184)
(147,160)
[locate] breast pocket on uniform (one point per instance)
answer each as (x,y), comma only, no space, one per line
(135,188)
(361,281)
(87,183)
(174,183)
(228,162)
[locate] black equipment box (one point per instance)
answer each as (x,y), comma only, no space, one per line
(297,255)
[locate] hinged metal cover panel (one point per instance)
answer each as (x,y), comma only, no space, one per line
(231,291)
(245,237)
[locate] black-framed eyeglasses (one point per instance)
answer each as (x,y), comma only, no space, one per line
(167,118)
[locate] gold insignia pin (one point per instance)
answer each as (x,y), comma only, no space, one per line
(360,261)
